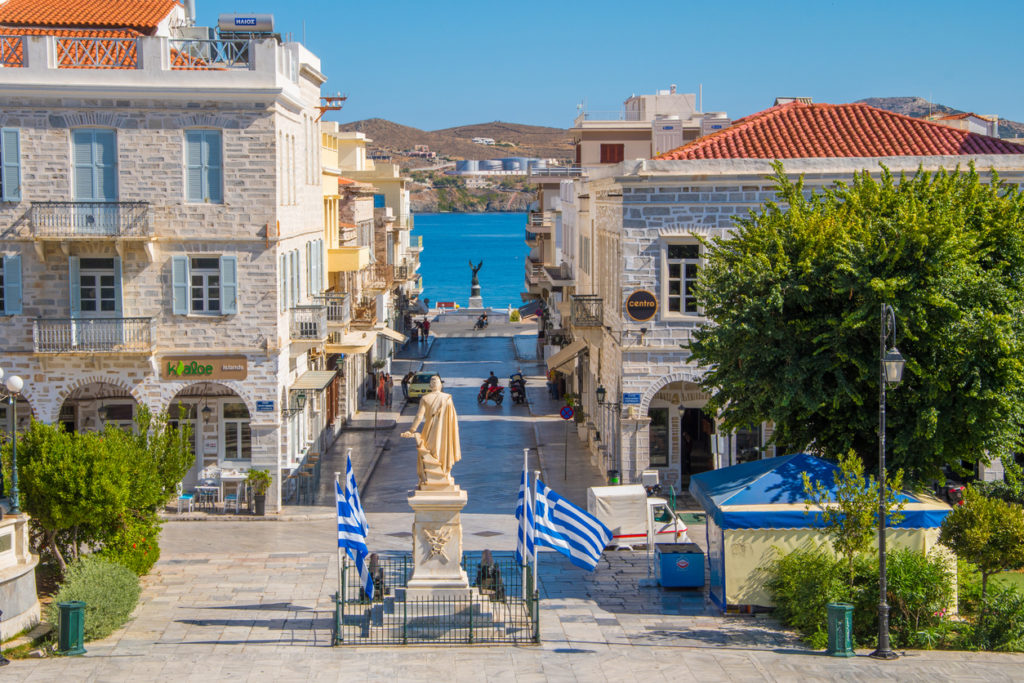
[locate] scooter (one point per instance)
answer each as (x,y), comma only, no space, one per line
(489,393)
(517,388)
(481,323)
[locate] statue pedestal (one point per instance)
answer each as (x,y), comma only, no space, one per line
(476,302)
(437,544)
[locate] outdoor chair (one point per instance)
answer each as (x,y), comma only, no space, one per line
(184,498)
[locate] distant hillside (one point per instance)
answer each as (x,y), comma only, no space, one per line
(456,143)
(918,107)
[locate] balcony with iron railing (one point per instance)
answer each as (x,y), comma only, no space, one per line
(364,313)
(619,116)
(379,276)
(308,323)
(587,311)
(69,220)
(531,238)
(93,335)
(416,244)
(540,222)
(339,308)
(557,172)
(534,271)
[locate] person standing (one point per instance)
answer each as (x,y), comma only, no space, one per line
(389,385)
(405,384)
(426,329)
(381,389)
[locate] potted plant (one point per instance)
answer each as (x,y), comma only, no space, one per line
(259,482)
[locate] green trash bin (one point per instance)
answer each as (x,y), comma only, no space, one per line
(71,636)
(840,629)
(613,478)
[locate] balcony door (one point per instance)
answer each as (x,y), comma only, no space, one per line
(96,302)
(94,155)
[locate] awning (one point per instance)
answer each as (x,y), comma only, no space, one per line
(393,335)
(317,380)
(567,354)
(353,342)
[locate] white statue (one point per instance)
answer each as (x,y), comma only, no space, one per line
(438,444)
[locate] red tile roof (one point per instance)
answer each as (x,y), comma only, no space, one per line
(799,131)
(143,15)
(958,117)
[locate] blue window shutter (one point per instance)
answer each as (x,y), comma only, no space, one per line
(214,164)
(378,201)
(106,164)
(117,286)
(10,165)
(229,284)
(295,277)
(82,159)
(12,285)
(76,283)
(179,284)
(193,166)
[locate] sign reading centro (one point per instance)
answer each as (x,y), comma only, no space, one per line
(203,367)
(641,305)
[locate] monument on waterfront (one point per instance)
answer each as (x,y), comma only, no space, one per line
(475,300)
(437,501)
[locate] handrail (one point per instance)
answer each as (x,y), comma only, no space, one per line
(213,55)
(339,309)
(92,335)
(97,53)
(309,322)
(91,219)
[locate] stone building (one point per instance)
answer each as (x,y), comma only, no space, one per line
(161,226)
(629,244)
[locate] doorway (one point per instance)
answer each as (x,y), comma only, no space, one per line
(695,433)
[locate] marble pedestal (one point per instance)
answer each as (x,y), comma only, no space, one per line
(437,544)
(476,302)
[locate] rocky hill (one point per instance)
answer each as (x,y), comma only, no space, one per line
(918,107)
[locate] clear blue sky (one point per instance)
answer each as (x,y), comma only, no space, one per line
(438,64)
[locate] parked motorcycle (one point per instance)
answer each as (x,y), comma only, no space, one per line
(481,323)
(490,393)
(517,388)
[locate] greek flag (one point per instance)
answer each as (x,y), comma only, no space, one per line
(524,546)
(571,531)
(352,526)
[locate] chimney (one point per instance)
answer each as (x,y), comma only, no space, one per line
(190,12)
(672,89)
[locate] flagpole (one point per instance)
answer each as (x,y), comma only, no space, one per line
(536,549)
(341,569)
(526,509)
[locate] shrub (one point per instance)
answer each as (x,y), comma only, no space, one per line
(135,544)
(109,591)
(1002,629)
(801,584)
(920,592)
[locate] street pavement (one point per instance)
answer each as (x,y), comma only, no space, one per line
(244,600)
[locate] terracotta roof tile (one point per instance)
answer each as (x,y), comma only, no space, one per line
(959,117)
(798,131)
(143,15)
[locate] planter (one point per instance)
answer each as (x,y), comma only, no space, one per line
(259,504)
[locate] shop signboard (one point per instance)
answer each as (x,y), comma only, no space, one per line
(641,305)
(203,367)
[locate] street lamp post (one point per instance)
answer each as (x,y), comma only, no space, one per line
(13,385)
(891,372)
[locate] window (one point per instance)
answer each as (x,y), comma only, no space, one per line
(613,154)
(658,437)
(379,201)
(236,431)
(203,166)
(748,443)
(293,271)
(314,266)
(120,416)
(10,285)
(98,284)
(94,155)
(10,165)
(682,262)
(206,285)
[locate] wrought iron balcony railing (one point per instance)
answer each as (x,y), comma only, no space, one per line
(364,313)
(587,311)
(215,55)
(538,219)
(309,323)
(12,51)
(91,219)
(97,53)
(92,335)
(339,309)
(380,276)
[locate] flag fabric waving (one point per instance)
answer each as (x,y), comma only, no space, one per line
(352,527)
(568,529)
(524,546)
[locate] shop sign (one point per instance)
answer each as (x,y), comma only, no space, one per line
(203,367)
(631,399)
(264,406)
(641,305)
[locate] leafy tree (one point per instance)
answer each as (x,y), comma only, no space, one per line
(851,515)
(794,297)
(987,532)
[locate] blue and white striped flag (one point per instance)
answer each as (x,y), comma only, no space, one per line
(524,546)
(352,527)
(571,531)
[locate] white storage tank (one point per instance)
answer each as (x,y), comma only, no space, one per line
(246,23)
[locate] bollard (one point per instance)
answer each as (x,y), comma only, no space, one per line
(840,629)
(71,636)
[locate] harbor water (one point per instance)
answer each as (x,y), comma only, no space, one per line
(452,240)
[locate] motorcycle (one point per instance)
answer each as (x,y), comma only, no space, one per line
(481,323)
(517,388)
(489,393)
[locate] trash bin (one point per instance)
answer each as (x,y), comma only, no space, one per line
(840,629)
(613,478)
(679,565)
(71,636)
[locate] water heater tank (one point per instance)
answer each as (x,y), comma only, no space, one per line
(246,23)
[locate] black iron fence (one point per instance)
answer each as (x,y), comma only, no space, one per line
(499,608)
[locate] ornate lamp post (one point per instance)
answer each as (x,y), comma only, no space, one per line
(891,372)
(13,384)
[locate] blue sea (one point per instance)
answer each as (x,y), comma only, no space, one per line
(452,240)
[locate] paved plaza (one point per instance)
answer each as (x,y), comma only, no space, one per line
(251,600)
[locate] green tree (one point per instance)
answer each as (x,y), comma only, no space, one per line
(794,294)
(987,532)
(851,515)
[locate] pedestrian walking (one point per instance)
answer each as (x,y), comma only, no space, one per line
(426,330)
(381,392)
(389,387)
(405,384)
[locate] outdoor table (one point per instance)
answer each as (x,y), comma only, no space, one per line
(236,478)
(208,495)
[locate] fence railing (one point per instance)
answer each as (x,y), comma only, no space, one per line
(92,335)
(309,323)
(12,51)
(558,171)
(339,310)
(97,53)
(214,55)
(91,219)
(380,275)
(534,270)
(499,608)
(364,313)
(416,243)
(587,311)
